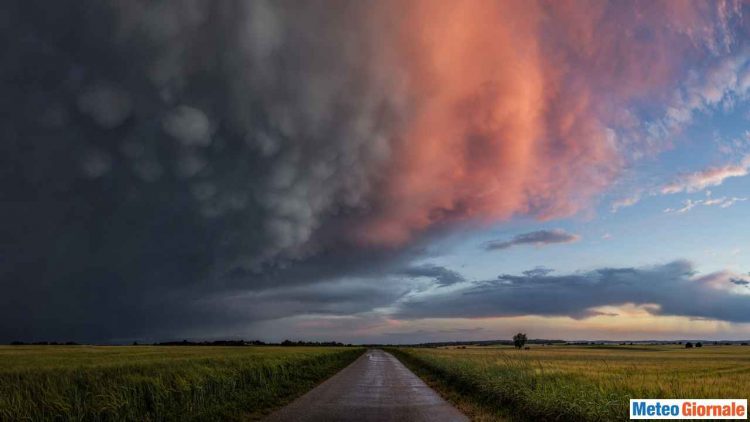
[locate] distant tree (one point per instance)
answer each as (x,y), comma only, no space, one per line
(688,345)
(519,340)
(699,344)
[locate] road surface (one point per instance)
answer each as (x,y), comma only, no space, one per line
(375,387)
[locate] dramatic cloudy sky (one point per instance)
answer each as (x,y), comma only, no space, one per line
(392,171)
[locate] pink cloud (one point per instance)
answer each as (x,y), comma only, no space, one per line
(518,106)
(714,176)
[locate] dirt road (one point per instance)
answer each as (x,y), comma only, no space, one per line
(376,387)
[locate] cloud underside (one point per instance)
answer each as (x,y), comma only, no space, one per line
(441,275)
(167,165)
(670,289)
(536,238)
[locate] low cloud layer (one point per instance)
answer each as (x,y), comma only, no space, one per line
(669,289)
(537,238)
(441,275)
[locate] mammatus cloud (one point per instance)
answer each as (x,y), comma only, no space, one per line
(162,159)
(669,289)
(537,238)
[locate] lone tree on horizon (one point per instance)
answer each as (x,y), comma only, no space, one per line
(519,340)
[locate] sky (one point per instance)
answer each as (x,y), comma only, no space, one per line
(374,172)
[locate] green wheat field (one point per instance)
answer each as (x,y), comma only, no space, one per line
(148,383)
(578,383)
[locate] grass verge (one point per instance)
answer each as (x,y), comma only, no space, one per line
(465,397)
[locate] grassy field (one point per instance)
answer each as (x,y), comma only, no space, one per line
(588,383)
(149,383)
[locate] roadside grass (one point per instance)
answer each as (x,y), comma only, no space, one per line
(468,403)
(149,383)
(566,383)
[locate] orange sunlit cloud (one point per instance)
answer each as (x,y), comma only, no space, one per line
(517,104)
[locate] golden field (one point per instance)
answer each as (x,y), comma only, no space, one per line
(580,383)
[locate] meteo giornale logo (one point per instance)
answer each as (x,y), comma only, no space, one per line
(688,409)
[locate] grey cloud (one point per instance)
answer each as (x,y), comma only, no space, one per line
(413,336)
(158,153)
(108,105)
(739,282)
(538,272)
(335,297)
(674,288)
(536,238)
(188,125)
(442,276)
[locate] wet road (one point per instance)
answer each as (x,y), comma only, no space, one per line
(376,387)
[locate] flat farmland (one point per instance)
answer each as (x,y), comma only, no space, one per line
(578,383)
(159,382)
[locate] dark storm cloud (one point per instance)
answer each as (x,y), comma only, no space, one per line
(740,282)
(434,335)
(673,288)
(158,153)
(442,276)
(536,238)
(338,297)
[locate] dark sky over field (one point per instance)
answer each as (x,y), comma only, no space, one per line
(390,171)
